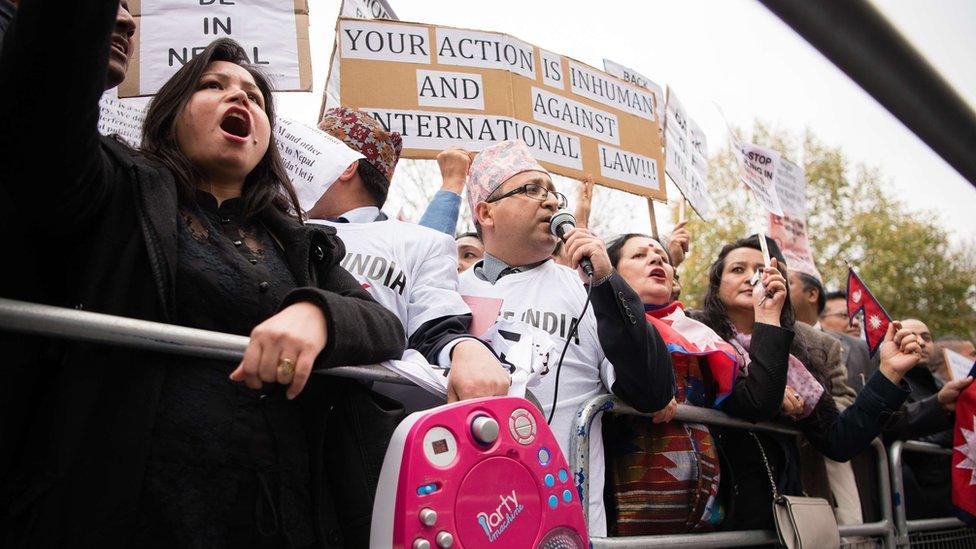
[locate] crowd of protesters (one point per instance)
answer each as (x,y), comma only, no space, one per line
(201,227)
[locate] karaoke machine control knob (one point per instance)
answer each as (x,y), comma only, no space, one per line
(428,516)
(485,430)
(444,539)
(421,543)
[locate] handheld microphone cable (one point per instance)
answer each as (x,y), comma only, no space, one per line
(573,329)
(559,225)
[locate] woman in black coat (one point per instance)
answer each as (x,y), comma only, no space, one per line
(734,306)
(115,446)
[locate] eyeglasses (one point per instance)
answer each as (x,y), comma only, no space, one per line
(535,192)
(827,315)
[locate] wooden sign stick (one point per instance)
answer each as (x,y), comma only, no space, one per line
(650,211)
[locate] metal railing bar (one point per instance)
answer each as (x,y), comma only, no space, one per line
(745,538)
(860,41)
(925,447)
(945,523)
(579,464)
(60,322)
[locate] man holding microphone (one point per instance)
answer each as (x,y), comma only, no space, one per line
(612,349)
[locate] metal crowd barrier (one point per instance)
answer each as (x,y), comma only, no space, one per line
(938,532)
(579,458)
(30,318)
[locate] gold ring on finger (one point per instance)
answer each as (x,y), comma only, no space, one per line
(286,367)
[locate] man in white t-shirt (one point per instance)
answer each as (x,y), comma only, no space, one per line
(615,350)
(410,269)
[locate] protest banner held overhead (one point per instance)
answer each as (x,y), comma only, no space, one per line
(686,156)
(630,75)
(757,169)
(445,86)
(273,33)
(790,229)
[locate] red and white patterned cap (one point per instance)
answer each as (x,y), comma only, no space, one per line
(361,132)
(495,165)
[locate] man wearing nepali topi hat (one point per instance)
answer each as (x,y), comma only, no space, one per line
(410,269)
(512,201)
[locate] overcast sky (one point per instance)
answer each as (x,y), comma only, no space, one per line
(736,54)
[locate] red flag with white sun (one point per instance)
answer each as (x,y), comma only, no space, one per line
(876,319)
(964,456)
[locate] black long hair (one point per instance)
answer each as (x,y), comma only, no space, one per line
(714,315)
(267,186)
(713,310)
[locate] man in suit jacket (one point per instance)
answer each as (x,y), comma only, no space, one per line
(826,356)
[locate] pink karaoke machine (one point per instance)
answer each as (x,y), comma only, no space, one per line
(480,473)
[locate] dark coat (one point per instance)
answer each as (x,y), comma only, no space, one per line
(105,220)
(758,397)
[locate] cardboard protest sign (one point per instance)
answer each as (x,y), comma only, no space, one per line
(686,156)
(274,33)
(313,158)
(757,168)
(790,229)
(361,9)
(639,80)
(443,86)
(958,365)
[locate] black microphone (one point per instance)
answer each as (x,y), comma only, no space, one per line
(559,225)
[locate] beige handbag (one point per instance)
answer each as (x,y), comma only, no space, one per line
(801,522)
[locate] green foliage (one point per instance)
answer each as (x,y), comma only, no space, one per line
(903,255)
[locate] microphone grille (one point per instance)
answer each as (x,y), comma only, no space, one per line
(558,220)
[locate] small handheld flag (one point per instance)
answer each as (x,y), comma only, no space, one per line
(876,319)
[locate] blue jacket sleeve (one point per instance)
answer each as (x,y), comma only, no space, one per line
(442,213)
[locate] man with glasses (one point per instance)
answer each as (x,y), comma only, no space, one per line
(512,200)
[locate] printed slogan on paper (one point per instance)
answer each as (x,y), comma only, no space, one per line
(442,87)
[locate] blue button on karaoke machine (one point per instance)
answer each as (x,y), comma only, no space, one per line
(567,496)
(553,501)
(549,480)
(563,475)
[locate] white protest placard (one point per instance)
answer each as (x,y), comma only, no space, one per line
(686,156)
(630,75)
(757,168)
(790,230)
(959,365)
(273,33)
(574,116)
(367,9)
(122,118)
(487,50)
(375,41)
(552,69)
(459,90)
(314,159)
(611,92)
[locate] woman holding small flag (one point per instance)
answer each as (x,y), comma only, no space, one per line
(746,304)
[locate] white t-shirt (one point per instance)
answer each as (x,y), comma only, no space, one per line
(549,297)
(409,269)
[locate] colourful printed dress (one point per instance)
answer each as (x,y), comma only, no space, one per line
(664,478)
